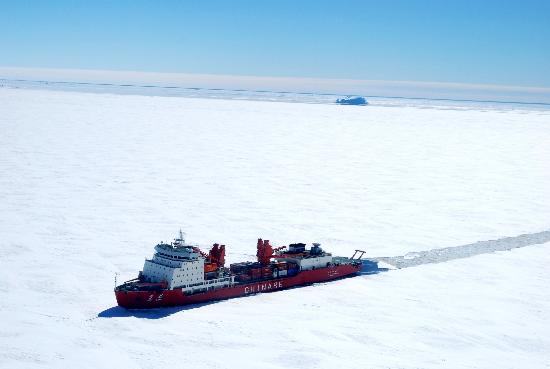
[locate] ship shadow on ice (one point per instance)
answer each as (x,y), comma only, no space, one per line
(156,313)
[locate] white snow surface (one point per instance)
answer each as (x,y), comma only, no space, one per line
(89,183)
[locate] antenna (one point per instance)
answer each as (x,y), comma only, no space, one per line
(115,278)
(182,236)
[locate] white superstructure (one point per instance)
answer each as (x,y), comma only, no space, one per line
(314,262)
(307,259)
(181,266)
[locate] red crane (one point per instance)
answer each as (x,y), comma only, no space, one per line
(265,251)
(214,259)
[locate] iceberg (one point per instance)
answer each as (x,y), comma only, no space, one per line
(358,100)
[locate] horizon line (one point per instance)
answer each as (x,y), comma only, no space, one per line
(277,92)
(336,86)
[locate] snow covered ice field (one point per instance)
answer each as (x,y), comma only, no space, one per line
(89,183)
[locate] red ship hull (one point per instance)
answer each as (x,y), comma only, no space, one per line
(176,297)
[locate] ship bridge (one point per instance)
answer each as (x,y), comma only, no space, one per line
(180,265)
(176,263)
(183,252)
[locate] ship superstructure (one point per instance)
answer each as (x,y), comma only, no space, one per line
(179,273)
(183,266)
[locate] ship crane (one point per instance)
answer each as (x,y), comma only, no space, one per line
(265,251)
(204,254)
(214,259)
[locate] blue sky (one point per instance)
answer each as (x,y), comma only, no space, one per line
(488,42)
